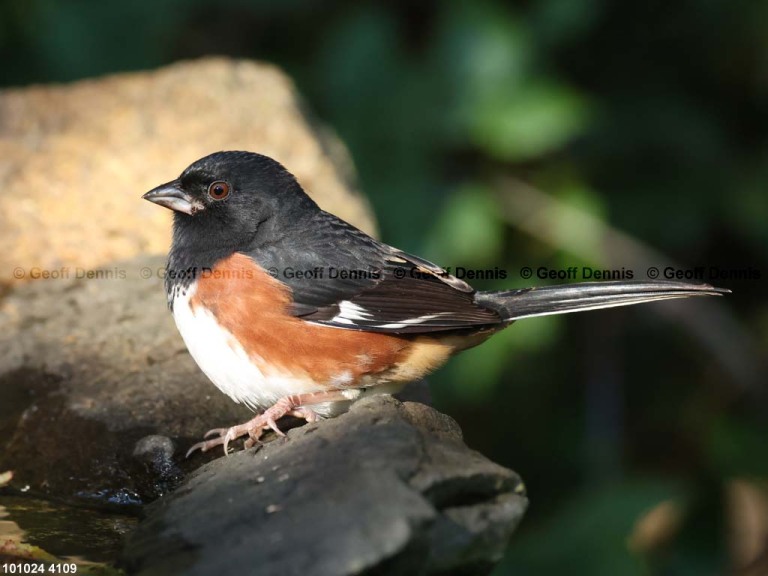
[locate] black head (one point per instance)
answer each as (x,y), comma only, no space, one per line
(229,201)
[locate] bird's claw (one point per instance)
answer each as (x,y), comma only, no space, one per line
(225,436)
(253,428)
(219,431)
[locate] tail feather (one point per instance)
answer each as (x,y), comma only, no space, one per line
(528,302)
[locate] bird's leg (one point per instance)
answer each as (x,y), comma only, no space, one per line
(294,405)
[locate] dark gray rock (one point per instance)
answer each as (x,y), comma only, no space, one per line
(388,488)
(87,369)
(154,450)
(157,470)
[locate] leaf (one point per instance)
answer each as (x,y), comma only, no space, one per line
(468,231)
(521,124)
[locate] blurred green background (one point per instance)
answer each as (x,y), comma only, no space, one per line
(548,133)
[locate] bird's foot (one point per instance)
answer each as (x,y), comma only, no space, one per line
(254,428)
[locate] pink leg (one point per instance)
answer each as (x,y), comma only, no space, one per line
(287,406)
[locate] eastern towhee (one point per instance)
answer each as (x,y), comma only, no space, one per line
(290,310)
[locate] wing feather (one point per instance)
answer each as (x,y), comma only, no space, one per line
(412,296)
(390,291)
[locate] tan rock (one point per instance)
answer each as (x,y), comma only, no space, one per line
(75,159)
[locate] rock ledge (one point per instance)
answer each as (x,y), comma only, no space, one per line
(388,488)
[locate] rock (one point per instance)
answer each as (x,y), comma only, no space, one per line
(388,488)
(90,361)
(87,369)
(158,472)
(74,159)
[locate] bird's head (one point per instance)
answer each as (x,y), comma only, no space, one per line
(228,198)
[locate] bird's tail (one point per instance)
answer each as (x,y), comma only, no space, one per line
(527,302)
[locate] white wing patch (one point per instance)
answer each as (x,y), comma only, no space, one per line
(413,321)
(349,312)
(352,314)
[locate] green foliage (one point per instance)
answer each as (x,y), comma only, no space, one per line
(525,123)
(477,376)
(467,229)
(735,442)
(590,534)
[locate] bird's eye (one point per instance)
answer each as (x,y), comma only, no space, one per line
(218,190)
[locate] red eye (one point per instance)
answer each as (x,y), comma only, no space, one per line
(218,190)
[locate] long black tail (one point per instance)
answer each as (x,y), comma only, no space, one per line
(527,302)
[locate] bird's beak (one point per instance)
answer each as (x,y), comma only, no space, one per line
(172,196)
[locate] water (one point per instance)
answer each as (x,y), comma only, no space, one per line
(33,530)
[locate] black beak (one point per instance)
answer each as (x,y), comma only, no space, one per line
(171,195)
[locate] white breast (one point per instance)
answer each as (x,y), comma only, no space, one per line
(244,378)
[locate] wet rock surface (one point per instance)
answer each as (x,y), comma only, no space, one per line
(88,368)
(388,488)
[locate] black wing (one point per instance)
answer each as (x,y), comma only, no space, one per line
(355,282)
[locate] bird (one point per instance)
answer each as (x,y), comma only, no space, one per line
(291,310)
